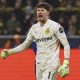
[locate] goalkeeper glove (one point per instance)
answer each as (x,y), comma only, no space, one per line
(64,69)
(5,53)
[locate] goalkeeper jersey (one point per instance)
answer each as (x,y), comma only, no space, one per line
(48,40)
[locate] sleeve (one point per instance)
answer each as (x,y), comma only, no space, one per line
(59,32)
(26,43)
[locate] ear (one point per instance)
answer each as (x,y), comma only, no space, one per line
(48,13)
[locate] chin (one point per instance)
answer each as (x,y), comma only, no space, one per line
(41,20)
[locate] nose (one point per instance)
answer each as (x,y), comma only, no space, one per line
(39,12)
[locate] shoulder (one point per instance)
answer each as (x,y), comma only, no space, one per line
(55,25)
(35,25)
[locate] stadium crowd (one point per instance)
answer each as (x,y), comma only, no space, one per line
(17,16)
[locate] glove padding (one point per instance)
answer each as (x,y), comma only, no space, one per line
(5,53)
(64,69)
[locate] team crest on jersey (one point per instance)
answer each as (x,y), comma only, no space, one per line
(47,31)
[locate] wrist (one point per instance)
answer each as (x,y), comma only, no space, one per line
(10,51)
(66,62)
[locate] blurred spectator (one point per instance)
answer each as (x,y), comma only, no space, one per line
(54,3)
(77,3)
(28,23)
(1,24)
(72,25)
(2,4)
(12,23)
(67,4)
(78,30)
(7,44)
(5,32)
(28,9)
(16,40)
(29,14)
(20,1)
(63,3)
(18,10)
(19,30)
(63,23)
(10,3)
(13,42)
(33,20)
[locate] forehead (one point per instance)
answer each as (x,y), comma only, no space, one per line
(41,9)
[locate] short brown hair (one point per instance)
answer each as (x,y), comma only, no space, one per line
(44,5)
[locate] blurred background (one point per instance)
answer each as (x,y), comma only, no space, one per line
(17,16)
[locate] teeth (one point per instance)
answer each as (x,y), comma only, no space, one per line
(40,15)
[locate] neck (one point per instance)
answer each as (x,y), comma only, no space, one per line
(43,22)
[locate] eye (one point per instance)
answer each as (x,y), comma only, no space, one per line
(38,10)
(42,10)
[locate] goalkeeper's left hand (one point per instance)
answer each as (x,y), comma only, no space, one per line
(64,69)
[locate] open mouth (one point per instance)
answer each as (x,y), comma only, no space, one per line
(40,16)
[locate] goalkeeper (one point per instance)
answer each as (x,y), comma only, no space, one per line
(48,35)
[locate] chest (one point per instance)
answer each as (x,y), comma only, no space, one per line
(43,32)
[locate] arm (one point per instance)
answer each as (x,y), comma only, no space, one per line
(22,46)
(63,39)
(19,48)
(64,69)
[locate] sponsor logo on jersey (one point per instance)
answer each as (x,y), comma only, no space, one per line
(43,39)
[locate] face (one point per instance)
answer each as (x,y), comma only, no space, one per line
(42,14)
